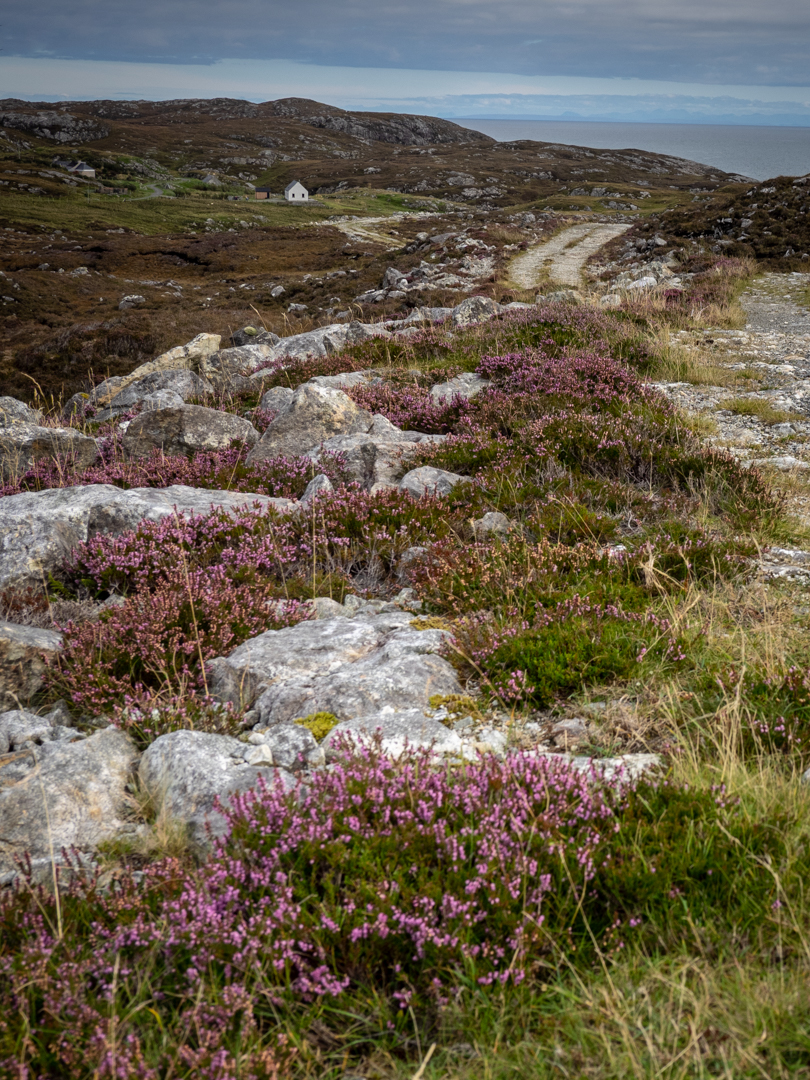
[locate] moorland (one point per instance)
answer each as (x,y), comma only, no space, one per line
(556,535)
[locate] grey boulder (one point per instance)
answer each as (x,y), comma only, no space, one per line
(64,795)
(39,529)
(23,661)
(276,398)
(311,416)
(429,481)
(186,772)
(473,310)
(186,430)
(466,385)
(400,733)
(23,445)
(348,667)
(13,411)
(183,383)
(492,524)
(377,455)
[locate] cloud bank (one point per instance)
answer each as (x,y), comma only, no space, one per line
(709,41)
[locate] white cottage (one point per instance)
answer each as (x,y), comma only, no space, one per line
(296,192)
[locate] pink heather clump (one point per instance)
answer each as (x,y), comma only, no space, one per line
(395,874)
(582,379)
(222,470)
(412,407)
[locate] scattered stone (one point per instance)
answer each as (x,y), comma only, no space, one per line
(466,386)
(492,524)
(133,300)
(24,652)
(426,481)
(569,733)
(187,430)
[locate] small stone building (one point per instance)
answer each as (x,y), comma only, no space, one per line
(296,192)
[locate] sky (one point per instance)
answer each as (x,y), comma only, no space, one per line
(743,61)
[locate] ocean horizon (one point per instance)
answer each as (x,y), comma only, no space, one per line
(758,152)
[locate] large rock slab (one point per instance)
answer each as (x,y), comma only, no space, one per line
(64,795)
(348,667)
(186,772)
(23,445)
(401,733)
(312,415)
(39,529)
(187,430)
(184,383)
(23,661)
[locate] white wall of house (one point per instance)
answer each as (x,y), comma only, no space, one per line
(296,192)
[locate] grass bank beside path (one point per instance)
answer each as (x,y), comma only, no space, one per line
(492,919)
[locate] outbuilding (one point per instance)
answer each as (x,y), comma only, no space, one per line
(81,168)
(296,192)
(262,193)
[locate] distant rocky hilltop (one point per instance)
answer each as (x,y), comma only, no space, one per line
(270,143)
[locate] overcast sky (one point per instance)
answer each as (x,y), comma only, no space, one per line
(477,51)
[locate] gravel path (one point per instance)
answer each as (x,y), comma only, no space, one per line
(774,349)
(564,255)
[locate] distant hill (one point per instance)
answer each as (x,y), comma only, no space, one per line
(330,149)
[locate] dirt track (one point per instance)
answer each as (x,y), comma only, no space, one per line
(564,255)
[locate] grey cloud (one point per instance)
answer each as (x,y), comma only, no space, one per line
(721,41)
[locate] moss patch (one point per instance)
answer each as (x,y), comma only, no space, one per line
(319,723)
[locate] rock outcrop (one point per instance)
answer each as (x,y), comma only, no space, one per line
(312,415)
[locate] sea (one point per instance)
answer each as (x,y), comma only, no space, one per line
(758,152)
